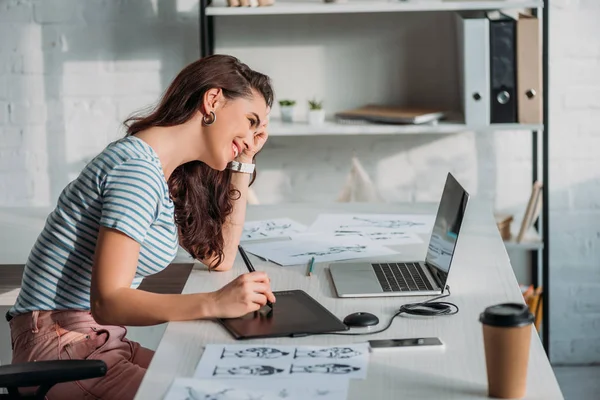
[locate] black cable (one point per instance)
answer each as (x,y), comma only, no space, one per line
(429,308)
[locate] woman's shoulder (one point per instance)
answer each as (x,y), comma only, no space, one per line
(127,156)
(125,152)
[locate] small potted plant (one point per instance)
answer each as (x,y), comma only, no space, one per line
(316,114)
(287,110)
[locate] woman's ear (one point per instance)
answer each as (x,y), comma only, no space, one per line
(212,99)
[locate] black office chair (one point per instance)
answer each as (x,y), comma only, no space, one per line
(45,374)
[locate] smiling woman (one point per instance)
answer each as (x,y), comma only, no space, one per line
(180,176)
(228,102)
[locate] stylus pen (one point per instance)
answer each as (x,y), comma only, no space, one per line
(250,266)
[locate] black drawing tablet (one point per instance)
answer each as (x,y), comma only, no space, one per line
(294,314)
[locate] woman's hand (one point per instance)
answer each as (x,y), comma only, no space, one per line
(259,138)
(245,294)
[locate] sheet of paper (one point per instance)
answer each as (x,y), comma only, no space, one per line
(384,229)
(273,361)
(323,248)
(249,389)
(382,236)
(272,228)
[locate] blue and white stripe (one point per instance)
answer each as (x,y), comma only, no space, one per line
(122,188)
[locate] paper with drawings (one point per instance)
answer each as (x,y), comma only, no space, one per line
(250,389)
(272,228)
(273,361)
(323,248)
(380,235)
(374,225)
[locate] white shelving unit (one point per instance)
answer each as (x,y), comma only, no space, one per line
(332,128)
(531,241)
(211,11)
(319,7)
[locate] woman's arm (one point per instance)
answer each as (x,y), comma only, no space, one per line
(234,225)
(114,302)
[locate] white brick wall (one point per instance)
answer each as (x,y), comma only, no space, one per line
(71,71)
(575,181)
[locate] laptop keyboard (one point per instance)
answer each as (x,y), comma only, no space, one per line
(401,277)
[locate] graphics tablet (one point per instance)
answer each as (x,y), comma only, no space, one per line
(294,313)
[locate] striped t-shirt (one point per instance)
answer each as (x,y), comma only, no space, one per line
(122,188)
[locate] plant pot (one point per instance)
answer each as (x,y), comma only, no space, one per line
(287,113)
(316,117)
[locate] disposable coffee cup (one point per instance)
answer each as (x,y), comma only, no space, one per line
(506,337)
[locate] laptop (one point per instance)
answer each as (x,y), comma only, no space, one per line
(413,278)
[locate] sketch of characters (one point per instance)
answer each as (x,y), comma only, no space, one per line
(254,352)
(283,393)
(248,233)
(387,235)
(194,395)
(247,370)
(273,226)
(269,226)
(331,352)
(382,223)
(347,233)
(333,250)
(331,368)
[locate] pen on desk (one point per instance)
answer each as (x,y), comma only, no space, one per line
(310,266)
(250,266)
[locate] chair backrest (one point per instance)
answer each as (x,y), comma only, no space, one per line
(45,374)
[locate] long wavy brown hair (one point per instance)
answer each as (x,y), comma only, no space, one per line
(203,197)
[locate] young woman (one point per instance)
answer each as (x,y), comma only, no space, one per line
(179,177)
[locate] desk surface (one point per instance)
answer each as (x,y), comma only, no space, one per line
(481,276)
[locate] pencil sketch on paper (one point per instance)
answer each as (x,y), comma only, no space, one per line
(192,394)
(228,362)
(333,250)
(331,352)
(331,369)
(253,389)
(324,247)
(247,370)
(375,235)
(382,223)
(254,352)
(366,224)
(281,227)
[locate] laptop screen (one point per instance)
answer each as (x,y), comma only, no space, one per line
(448,221)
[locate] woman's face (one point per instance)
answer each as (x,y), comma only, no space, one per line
(237,121)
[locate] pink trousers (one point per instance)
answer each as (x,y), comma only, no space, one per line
(60,335)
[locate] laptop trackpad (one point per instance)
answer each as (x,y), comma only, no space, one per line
(356,281)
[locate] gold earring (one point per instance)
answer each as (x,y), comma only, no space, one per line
(213,118)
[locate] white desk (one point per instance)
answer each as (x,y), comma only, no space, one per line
(481,276)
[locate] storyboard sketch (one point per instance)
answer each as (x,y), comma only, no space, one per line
(273,361)
(272,228)
(323,248)
(386,229)
(380,235)
(247,389)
